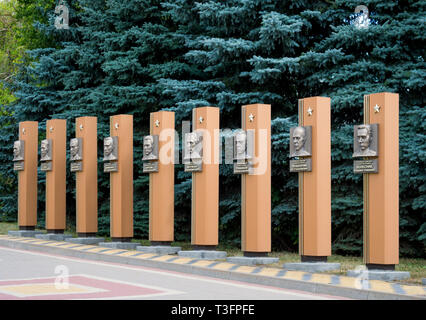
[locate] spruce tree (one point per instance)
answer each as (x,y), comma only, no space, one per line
(279,51)
(141,56)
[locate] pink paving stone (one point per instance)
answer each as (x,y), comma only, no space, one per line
(113,289)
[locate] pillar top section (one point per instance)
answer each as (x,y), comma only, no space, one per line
(383,93)
(163,111)
(28,122)
(85,117)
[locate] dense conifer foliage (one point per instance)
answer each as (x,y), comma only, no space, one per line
(140,56)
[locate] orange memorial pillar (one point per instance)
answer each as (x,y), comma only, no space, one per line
(376,156)
(315,185)
(252,150)
(205,184)
(201,157)
(161,183)
(25,154)
(381,189)
(118,160)
(310,153)
(84,157)
(53,157)
(256,186)
(158,157)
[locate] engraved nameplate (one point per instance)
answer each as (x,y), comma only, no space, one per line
(46,166)
(301,165)
(241,167)
(76,166)
(150,166)
(18,166)
(193,167)
(111,166)
(366,166)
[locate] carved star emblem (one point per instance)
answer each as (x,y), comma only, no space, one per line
(376,108)
(201,119)
(157,123)
(51,129)
(310,111)
(251,117)
(116,126)
(23,130)
(81,127)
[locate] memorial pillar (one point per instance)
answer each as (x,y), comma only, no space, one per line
(121,192)
(86,176)
(120,166)
(204,165)
(376,156)
(205,184)
(255,184)
(158,157)
(310,151)
(84,162)
(27,175)
(161,183)
(54,163)
(381,189)
(315,185)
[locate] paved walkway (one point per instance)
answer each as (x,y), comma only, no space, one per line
(308,285)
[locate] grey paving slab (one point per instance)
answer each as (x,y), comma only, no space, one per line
(384,275)
(53,236)
(24,233)
(159,249)
(312,266)
(86,240)
(119,245)
(203,254)
(251,261)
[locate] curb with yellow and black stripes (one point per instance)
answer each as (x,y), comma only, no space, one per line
(334,285)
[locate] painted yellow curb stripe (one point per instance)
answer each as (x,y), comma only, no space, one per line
(223,266)
(145,256)
(162,258)
(294,275)
(183,260)
(349,282)
(245,269)
(25,240)
(41,242)
(381,286)
(96,249)
(270,272)
(414,290)
(84,247)
(54,244)
(127,254)
(321,278)
(69,245)
(112,251)
(201,263)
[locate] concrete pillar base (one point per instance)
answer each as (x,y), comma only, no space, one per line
(203,254)
(159,249)
(24,233)
(251,261)
(119,245)
(384,275)
(312,266)
(85,240)
(53,236)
